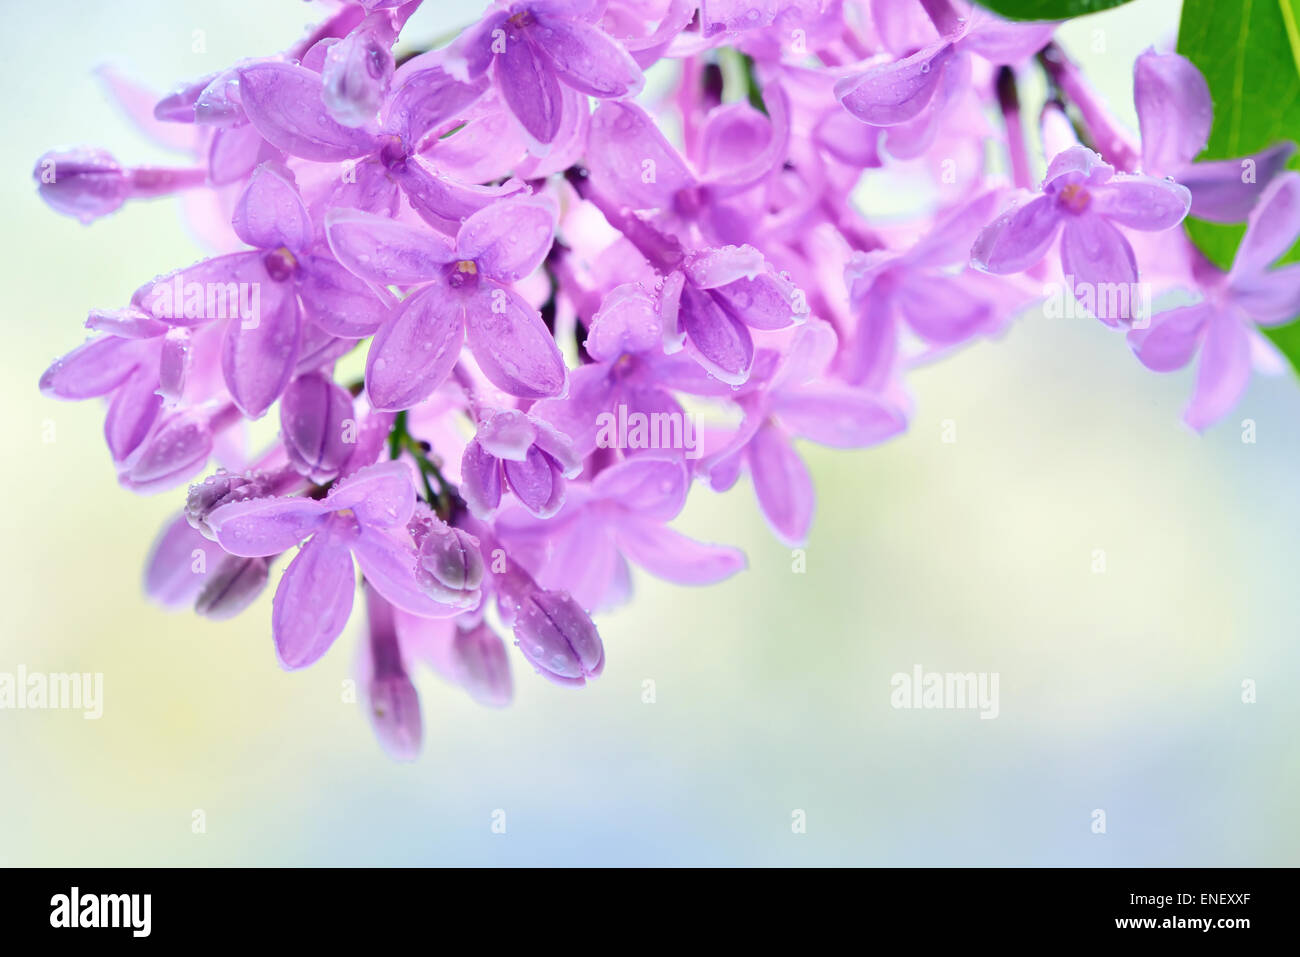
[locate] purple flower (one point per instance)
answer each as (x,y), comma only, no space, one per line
(527,456)
(467,293)
(622,514)
(285,104)
(365,515)
(263,296)
(1175,113)
(919,288)
(911,95)
(545,56)
(1222,325)
(792,397)
(1084,202)
(631,375)
(629,158)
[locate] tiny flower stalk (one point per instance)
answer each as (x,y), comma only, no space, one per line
(1114,143)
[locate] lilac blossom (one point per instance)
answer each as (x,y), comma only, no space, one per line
(621,515)
(545,56)
(910,96)
(265,295)
(1222,324)
(1084,202)
(1175,113)
(792,397)
(363,516)
(466,294)
(513,451)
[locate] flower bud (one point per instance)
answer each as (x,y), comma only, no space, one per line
(394,702)
(356,74)
(175,450)
(83,183)
(559,638)
(317,425)
(450,565)
(482,666)
(232,587)
(222,488)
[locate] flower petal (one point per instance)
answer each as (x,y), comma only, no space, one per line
(1018,239)
(1222,190)
(718,342)
(383,251)
(259,527)
(316,426)
(1174,110)
(426,99)
(415,349)
(338,302)
(510,238)
(443,202)
(258,354)
(670,555)
(513,347)
(840,417)
(94,368)
(897,91)
(1223,372)
(284,102)
(1094,254)
(380,495)
(132,412)
(313,601)
(269,212)
(536,483)
(782,484)
(1271,298)
(1273,227)
(586,58)
(480,480)
(528,85)
(1170,341)
(652,487)
(178,564)
(630,158)
(388,560)
(1141,202)
(508,435)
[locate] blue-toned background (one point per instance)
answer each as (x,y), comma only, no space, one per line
(1119,691)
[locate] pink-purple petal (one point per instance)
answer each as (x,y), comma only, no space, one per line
(284,102)
(313,601)
(383,251)
(257,528)
(415,349)
(1019,238)
(513,347)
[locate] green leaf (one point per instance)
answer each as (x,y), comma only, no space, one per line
(1249,52)
(1048,9)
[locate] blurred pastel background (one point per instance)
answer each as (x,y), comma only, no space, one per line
(1119,691)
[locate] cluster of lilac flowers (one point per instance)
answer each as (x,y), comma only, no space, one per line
(582,214)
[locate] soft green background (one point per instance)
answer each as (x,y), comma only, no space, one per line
(1119,691)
